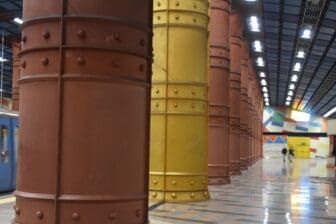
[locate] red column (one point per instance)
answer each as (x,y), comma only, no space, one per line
(244,105)
(218,150)
(234,94)
(16,47)
(84,112)
(254,121)
(250,112)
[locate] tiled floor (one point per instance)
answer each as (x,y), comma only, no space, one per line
(269,192)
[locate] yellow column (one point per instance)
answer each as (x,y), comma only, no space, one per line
(179,122)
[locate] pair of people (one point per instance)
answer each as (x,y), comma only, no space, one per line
(290,154)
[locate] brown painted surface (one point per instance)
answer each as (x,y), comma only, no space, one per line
(218,154)
(84,112)
(234,90)
(16,47)
(244,105)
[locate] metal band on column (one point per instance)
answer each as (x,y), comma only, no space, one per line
(84,103)
(179,119)
(219,92)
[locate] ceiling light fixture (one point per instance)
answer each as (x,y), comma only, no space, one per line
(289,98)
(306,33)
(292,86)
(294,78)
(330,112)
(266,100)
(300,54)
(254,24)
(287,103)
(3,59)
(263,82)
(264,89)
(18,20)
(290,93)
(262,75)
(260,62)
(257,46)
(266,95)
(267,103)
(297,67)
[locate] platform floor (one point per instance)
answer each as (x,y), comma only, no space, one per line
(270,192)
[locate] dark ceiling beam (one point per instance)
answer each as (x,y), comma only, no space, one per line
(298,29)
(282,9)
(318,27)
(315,73)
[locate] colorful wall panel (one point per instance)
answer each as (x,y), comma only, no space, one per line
(278,119)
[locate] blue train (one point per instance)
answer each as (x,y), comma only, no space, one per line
(9,127)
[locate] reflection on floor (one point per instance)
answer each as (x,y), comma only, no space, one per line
(269,192)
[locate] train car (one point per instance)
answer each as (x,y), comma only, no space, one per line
(8,149)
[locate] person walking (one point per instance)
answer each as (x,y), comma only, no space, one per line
(291,154)
(284,154)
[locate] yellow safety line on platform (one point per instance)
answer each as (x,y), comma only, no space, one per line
(7,200)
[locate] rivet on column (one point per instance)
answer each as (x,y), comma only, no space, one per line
(45,61)
(81,34)
(46,35)
(113,216)
(39,215)
(75,216)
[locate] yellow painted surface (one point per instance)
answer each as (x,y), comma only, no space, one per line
(178,148)
(301,146)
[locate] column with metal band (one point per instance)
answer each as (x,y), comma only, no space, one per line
(218,158)
(249,112)
(179,117)
(16,47)
(234,90)
(84,112)
(244,105)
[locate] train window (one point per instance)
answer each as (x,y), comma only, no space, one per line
(4,145)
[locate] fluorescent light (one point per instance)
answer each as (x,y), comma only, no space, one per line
(257,46)
(290,93)
(18,20)
(330,112)
(260,62)
(297,67)
(263,82)
(3,59)
(306,33)
(289,98)
(262,74)
(294,78)
(287,103)
(266,95)
(264,89)
(292,86)
(254,24)
(300,54)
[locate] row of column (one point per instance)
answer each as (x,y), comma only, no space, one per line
(85,107)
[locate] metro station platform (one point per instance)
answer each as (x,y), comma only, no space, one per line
(270,192)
